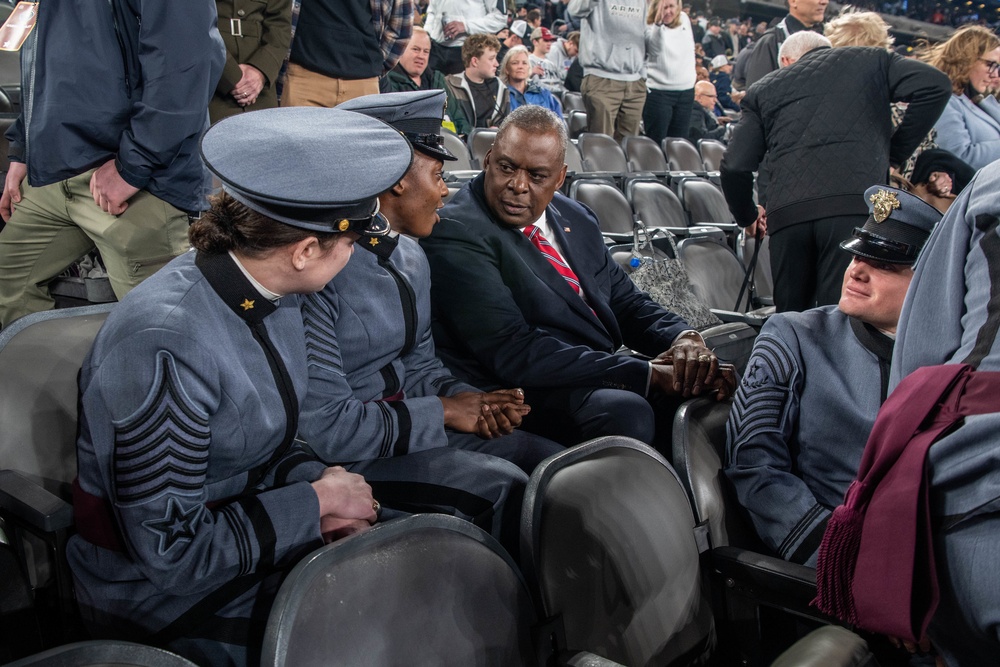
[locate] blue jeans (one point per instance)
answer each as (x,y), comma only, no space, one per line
(668,113)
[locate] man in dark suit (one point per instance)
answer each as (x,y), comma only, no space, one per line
(508,315)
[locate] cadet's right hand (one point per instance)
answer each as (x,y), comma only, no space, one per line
(483,413)
(12,189)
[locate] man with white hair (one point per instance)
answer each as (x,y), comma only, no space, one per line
(823,152)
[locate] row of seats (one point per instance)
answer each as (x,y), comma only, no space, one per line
(615,566)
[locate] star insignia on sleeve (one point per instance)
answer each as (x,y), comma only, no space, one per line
(247,304)
(176,525)
(373,241)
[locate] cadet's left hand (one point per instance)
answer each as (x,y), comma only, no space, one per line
(109,189)
(694,365)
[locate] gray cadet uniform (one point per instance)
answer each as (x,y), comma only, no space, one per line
(807,402)
(374,375)
(951,316)
(192,496)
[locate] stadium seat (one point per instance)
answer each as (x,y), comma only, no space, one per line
(462,169)
(606,535)
(644,155)
(425,590)
(711,153)
(717,277)
(755,583)
(572,101)
(480,142)
(576,121)
(601,154)
(40,357)
(104,654)
(656,204)
(613,211)
(706,203)
(763,282)
(682,155)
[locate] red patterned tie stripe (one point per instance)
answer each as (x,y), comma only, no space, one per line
(550,253)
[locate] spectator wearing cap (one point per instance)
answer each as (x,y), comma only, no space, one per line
(733,39)
(811,201)
(482,99)
(515,71)
(376,387)
(564,53)
(713,42)
(670,68)
(517,35)
(704,123)
(722,68)
(193,496)
(412,73)
(613,57)
(542,69)
(451,22)
(341,48)
(939,177)
(815,381)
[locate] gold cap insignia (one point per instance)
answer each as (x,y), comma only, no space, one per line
(246,305)
(373,241)
(343,225)
(885,203)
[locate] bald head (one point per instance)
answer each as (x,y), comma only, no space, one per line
(704,94)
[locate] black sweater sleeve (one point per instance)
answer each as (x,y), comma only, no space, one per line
(926,91)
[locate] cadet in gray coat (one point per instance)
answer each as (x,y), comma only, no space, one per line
(815,381)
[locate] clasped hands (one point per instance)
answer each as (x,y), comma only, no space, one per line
(487,414)
(346,505)
(689,368)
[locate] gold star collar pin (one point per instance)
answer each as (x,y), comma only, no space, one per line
(246,305)
(885,203)
(373,241)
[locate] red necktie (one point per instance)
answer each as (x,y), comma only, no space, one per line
(550,253)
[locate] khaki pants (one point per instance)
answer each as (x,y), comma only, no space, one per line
(305,88)
(613,107)
(57,224)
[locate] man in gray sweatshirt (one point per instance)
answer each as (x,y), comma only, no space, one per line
(613,55)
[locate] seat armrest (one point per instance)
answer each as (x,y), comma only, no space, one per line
(770,580)
(22,498)
(584,659)
(732,316)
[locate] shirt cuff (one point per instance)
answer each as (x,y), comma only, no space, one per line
(691,334)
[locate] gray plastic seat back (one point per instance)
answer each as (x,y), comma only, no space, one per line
(601,153)
(573,101)
(458,148)
(607,533)
(574,163)
(715,271)
(613,211)
(40,359)
(480,142)
(681,155)
(104,654)
(705,202)
(699,453)
(656,204)
(424,590)
(576,121)
(711,153)
(762,279)
(644,154)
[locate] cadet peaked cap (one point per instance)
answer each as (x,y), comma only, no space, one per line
(309,167)
(897,227)
(417,114)
(519,28)
(938,159)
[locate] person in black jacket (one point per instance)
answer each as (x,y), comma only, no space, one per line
(704,123)
(823,151)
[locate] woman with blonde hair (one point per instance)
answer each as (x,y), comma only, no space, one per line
(670,71)
(969,127)
(515,71)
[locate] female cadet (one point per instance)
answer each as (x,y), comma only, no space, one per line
(192,495)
